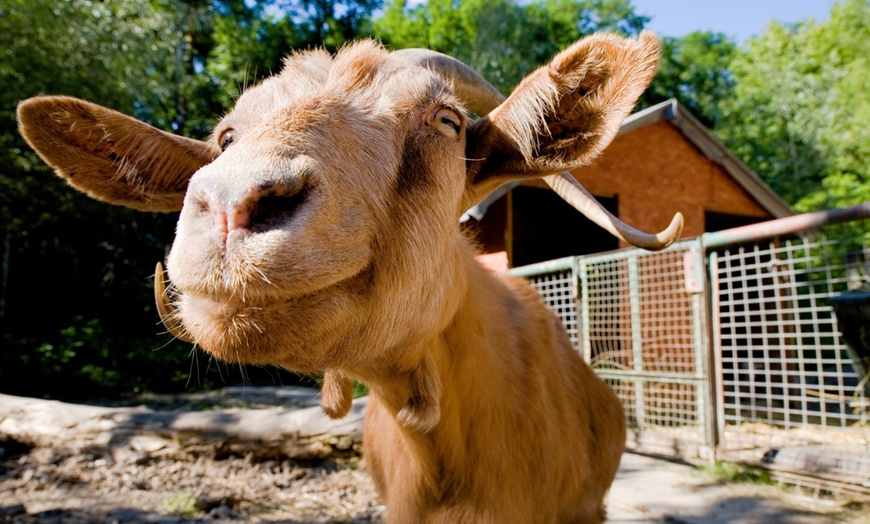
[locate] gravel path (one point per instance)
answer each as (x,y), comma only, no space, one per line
(44,485)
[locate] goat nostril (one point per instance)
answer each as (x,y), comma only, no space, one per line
(275,207)
(261,208)
(201,205)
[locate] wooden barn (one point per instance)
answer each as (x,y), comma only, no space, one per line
(663,161)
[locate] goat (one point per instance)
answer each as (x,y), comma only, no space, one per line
(319,232)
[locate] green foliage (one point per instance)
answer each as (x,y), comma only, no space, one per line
(244,53)
(97,361)
(359,390)
(800,108)
(506,40)
(695,70)
(182,504)
(326,23)
(503,40)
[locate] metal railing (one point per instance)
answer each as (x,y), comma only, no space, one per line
(742,362)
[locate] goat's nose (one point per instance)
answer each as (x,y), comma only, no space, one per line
(237,214)
(227,221)
(256,208)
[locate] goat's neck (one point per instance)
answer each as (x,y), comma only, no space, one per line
(467,343)
(477,366)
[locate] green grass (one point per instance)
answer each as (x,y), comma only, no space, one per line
(734,472)
(182,504)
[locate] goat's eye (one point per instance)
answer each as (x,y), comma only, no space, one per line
(447,122)
(227,138)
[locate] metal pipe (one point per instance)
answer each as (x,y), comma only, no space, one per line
(549,266)
(784,226)
(632,376)
(636,342)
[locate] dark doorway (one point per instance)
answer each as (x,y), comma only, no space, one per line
(547,227)
(718,221)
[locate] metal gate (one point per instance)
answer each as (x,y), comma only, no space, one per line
(726,346)
(633,318)
(790,396)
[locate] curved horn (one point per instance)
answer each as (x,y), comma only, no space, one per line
(478,94)
(481,98)
(567,187)
(165,309)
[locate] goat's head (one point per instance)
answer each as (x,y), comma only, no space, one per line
(319,223)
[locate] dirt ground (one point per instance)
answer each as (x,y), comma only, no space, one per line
(121,485)
(44,485)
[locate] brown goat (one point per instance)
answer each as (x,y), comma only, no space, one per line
(319,232)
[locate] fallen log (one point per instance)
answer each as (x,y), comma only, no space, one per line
(304,433)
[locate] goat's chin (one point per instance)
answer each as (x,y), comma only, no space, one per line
(293,333)
(230,331)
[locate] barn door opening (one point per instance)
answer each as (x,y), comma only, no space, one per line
(546,227)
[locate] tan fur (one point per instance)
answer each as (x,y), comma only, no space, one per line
(85,142)
(337,393)
(325,238)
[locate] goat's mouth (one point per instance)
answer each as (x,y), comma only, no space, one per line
(254,332)
(236,320)
(167,296)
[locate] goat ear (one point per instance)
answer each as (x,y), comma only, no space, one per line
(110,156)
(562,115)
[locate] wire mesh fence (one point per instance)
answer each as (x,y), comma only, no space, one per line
(747,363)
(790,394)
(559,290)
(629,314)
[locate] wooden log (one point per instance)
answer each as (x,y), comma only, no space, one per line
(304,433)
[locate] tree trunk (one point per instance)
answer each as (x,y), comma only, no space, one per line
(268,433)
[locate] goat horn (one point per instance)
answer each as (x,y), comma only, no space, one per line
(481,98)
(165,309)
(479,95)
(579,197)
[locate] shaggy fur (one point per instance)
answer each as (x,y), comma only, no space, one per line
(325,238)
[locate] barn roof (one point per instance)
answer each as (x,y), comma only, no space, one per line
(715,150)
(701,137)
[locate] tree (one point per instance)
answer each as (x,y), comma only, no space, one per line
(695,70)
(502,39)
(328,23)
(800,106)
(66,257)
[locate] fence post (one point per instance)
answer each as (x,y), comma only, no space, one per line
(714,372)
(583,301)
(636,339)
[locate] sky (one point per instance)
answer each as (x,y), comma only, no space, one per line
(739,19)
